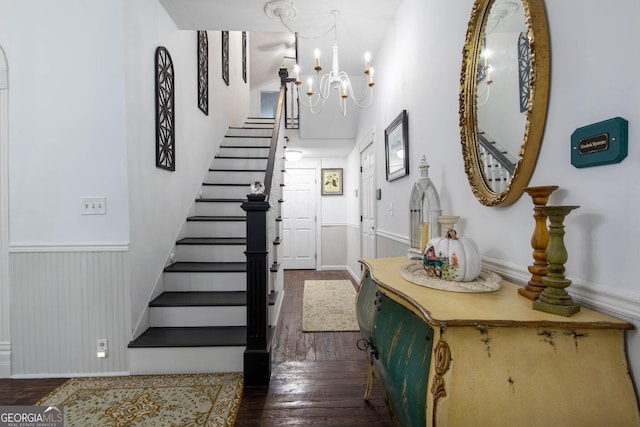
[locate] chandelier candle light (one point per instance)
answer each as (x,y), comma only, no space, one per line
(335,79)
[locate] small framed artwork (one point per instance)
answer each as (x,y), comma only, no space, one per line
(331,182)
(396,144)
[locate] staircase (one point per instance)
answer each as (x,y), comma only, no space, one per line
(198,324)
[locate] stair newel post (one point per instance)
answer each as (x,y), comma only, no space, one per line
(257,356)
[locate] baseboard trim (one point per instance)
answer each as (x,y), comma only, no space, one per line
(69,247)
(333,267)
(68,375)
(5,360)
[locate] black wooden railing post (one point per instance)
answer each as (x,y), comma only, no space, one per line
(291,107)
(257,356)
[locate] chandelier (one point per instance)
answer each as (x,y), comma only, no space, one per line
(335,81)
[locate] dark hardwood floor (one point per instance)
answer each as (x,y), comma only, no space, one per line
(317,378)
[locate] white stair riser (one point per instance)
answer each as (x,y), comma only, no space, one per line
(191,282)
(239,164)
(225,192)
(257,131)
(197,316)
(243,152)
(216,229)
(234,177)
(246,141)
(185,360)
(219,209)
(211,253)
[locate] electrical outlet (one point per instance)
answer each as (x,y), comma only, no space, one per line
(102,348)
(93,205)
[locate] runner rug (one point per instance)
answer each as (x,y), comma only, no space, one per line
(329,305)
(150,400)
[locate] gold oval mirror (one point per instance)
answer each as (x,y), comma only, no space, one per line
(504,90)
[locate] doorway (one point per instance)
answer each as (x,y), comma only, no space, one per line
(299,219)
(368,202)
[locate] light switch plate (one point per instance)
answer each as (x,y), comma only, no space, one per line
(93,206)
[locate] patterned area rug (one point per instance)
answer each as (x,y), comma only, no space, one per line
(329,305)
(150,400)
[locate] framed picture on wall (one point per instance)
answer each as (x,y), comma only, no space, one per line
(331,182)
(396,144)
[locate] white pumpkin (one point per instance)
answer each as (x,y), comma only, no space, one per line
(452,258)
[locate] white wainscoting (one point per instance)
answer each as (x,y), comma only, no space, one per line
(334,246)
(391,245)
(63,298)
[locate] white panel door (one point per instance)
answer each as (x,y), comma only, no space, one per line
(299,219)
(368,203)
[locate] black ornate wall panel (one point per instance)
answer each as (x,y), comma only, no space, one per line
(203,72)
(165,110)
(225,57)
(524,71)
(244,56)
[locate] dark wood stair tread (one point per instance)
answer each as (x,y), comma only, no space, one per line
(229,184)
(221,200)
(217,218)
(244,146)
(235,170)
(241,157)
(200,299)
(207,267)
(248,136)
(207,336)
(212,241)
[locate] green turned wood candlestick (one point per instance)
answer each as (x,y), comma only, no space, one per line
(554,298)
(539,241)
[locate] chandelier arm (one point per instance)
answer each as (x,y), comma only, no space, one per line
(311,105)
(356,100)
(359,103)
(324,87)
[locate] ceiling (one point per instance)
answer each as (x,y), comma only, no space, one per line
(361,25)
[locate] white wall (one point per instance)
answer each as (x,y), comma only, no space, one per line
(67,136)
(593,78)
(160,200)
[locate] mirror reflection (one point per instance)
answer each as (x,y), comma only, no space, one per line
(501,115)
(503,99)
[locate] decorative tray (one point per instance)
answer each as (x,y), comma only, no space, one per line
(487,281)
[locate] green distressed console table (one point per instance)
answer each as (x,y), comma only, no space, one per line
(488,359)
